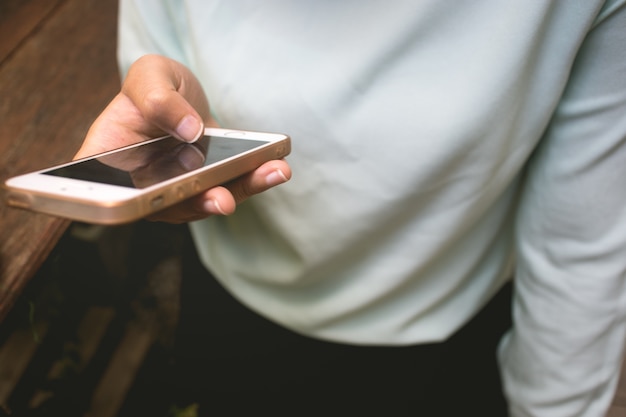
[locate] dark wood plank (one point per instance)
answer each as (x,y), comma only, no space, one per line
(15,355)
(18,19)
(89,334)
(52,87)
(119,376)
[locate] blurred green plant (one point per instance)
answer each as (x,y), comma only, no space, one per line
(31,322)
(189,411)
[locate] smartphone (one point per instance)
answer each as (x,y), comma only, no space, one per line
(132,182)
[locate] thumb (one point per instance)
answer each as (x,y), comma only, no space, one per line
(168,96)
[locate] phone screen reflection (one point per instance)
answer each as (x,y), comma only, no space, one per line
(156,161)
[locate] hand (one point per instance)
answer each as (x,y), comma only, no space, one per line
(161,96)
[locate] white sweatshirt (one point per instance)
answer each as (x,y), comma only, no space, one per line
(439,148)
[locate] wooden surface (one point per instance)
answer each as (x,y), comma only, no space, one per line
(57,72)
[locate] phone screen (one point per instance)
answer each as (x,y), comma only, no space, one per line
(156,161)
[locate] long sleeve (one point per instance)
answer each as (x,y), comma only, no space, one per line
(151,27)
(564,355)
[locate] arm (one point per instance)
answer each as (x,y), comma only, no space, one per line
(564,355)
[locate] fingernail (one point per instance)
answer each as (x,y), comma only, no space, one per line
(189,129)
(211,206)
(275,177)
(190,157)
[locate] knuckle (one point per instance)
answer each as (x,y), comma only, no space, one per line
(154,100)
